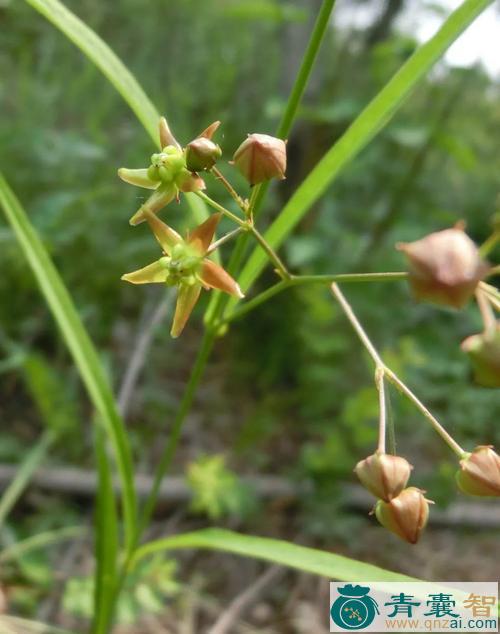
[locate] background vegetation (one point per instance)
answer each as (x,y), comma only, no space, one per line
(288,392)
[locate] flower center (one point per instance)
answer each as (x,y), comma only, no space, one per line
(182,266)
(167,165)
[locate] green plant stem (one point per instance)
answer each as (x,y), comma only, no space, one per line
(298,280)
(24,474)
(219,302)
(300,84)
(489,244)
(486,310)
(271,254)
(247,225)
(365,127)
(175,433)
(380,367)
(106,542)
(223,239)
(355,323)
(232,192)
(405,390)
(379,382)
(221,209)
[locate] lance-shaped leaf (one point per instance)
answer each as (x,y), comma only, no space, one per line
(158,199)
(137,177)
(154,273)
(214,276)
(186,300)
(166,236)
(201,237)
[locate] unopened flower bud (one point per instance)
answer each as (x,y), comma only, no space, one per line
(405,515)
(261,157)
(445,267)
(480,472)
(484,354)
(384,475)
(202,154)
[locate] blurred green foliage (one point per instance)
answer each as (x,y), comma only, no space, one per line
(289,388)
(145,592)
(217,491)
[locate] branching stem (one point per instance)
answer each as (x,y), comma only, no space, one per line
(247,225)
(221,209)
(242,204)
(299,280)
(381,368)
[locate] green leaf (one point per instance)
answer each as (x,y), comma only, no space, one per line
(24,473)
(106,542)
(40,541)
(114,70)
(277,551)
(80,346)
(373,118)
(48,388)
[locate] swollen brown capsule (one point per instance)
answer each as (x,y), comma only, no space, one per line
(261,157)
(445,267)
(384,475)
(480,473)
(406,515)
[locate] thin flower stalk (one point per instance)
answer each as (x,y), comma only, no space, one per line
(379,382)
(486,310)
(391,376)
(242,204)
(405,390)
(223,239)
(248,226)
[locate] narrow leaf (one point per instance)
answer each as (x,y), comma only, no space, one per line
(24,474)
(80,346)
(277,551)
(106,542)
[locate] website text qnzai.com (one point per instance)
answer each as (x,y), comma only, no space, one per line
(434,625)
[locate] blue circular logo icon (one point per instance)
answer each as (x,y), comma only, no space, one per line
(354,609)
